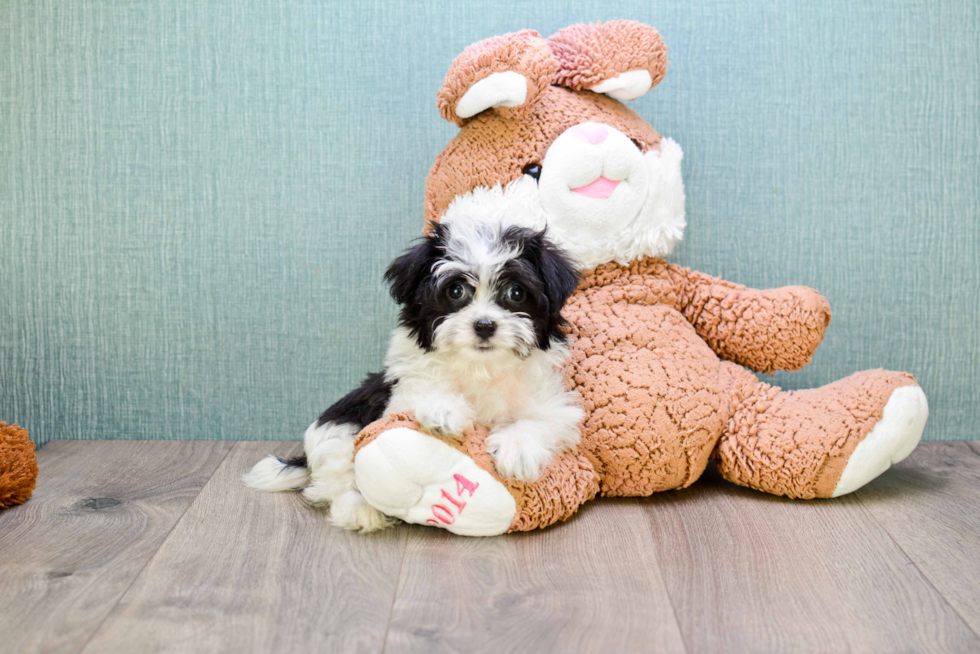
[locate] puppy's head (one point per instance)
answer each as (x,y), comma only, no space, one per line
(483,290)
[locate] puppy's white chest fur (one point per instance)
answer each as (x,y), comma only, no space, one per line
(497,388)
(522,400)
(494,399)
(499,393)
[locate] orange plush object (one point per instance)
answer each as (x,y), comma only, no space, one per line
(662,357)
(18,465)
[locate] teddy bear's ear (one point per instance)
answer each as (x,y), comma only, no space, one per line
(506,73)
(622,58)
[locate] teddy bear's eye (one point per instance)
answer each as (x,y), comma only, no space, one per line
(532,169)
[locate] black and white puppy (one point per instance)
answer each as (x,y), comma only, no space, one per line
(480,340)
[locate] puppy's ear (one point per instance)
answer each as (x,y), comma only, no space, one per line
(557,272)
(407,272)
(622,58)
(505,73)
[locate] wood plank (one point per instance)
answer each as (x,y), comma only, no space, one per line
(100,511)
(749,572)
(590,585)
(254,572)
(930,505)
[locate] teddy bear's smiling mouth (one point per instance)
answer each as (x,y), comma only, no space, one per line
(600,189)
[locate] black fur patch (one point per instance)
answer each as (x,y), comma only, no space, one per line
(295,462)
(362,406)
(412,286)
(552,279)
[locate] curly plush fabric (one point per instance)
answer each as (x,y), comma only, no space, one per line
(660,402)
(523,52)
(568,483)
(797,443)
(777,329)
(589,54)
(489,151)
(18,466)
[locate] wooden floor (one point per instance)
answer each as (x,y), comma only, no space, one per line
(155,546)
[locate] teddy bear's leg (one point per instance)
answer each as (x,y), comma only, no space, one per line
(822,442)
(452,484)
(407,474)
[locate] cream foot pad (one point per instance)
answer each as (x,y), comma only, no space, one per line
(891,440)
(420,479)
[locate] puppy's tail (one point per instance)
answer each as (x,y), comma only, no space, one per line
(273,474)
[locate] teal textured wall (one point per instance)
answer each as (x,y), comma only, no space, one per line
(198,197)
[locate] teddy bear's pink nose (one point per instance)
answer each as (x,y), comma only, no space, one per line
(593,133)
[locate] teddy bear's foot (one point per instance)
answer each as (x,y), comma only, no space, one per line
(892,439)
(417,478)
(819,442)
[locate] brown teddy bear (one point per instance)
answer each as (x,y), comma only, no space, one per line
(661,355)
(18,466)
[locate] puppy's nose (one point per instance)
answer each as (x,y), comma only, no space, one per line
(593,133)
(484,328)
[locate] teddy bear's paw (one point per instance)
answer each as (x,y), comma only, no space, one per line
(518,458)
(420,479)
(892,439)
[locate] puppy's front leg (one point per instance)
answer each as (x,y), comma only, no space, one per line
(519,451)
(525,448)
(441,413)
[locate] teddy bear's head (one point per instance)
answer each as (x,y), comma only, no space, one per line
(546,141)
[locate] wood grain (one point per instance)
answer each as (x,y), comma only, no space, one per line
(590,585)
(256,572)
(930,505)
(155,546)
(753,573)
(99,513)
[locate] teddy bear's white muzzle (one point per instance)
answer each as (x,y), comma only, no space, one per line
(593,176)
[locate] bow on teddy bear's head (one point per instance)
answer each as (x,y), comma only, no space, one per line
(544,141)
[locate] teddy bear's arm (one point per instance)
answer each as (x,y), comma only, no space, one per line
(776,329)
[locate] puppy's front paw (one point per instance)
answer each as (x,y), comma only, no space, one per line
(444,419)
(518,456)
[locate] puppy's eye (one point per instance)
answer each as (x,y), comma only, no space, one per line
(532,169)
(456,291)
(639,146)
(516,293)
